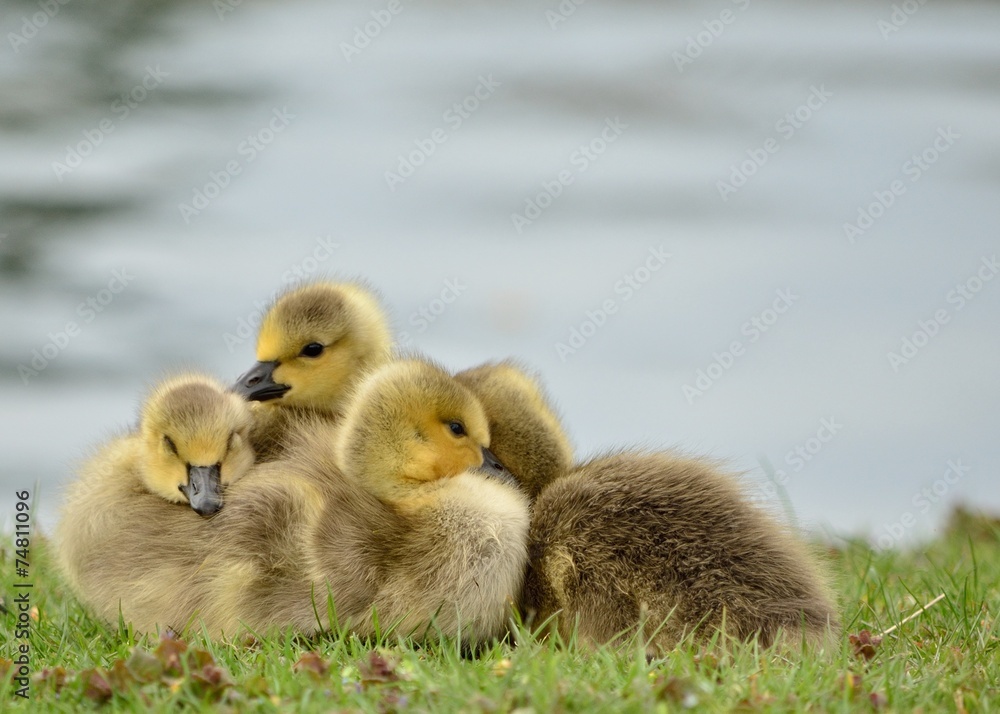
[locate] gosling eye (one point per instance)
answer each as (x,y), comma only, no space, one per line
(313,349)
(171,446)
(457,428)
(183,489)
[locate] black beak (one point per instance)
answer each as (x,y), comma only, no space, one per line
(258,385)
(204,489)
(493,468)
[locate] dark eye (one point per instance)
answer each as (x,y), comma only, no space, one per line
(171,446)
(457,428)
(313,349)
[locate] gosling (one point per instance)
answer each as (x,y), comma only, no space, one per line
(662,547)
(129,533)
(314,343)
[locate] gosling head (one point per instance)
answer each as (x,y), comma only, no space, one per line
(410,424)
(194,441)
(313,344)
(526,432)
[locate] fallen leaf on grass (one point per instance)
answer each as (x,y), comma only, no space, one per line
(96,686)
(312,664)
(5,667)
(143,666)
(169,653)
(392,701)
(197,659)
(54,679)
(675,689)
(119,677)
(211,679)
(377,669)
(864,644)
(851,682)
(707,661)
(257,687)
(756,700)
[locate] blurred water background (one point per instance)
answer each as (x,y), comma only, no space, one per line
(645,201)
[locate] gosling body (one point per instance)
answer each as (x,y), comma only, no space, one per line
(649,544)
(662,546)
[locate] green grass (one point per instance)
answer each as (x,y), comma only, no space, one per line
(946,659)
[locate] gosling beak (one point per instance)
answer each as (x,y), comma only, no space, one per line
(258,385)
(204,489)
(493,468)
